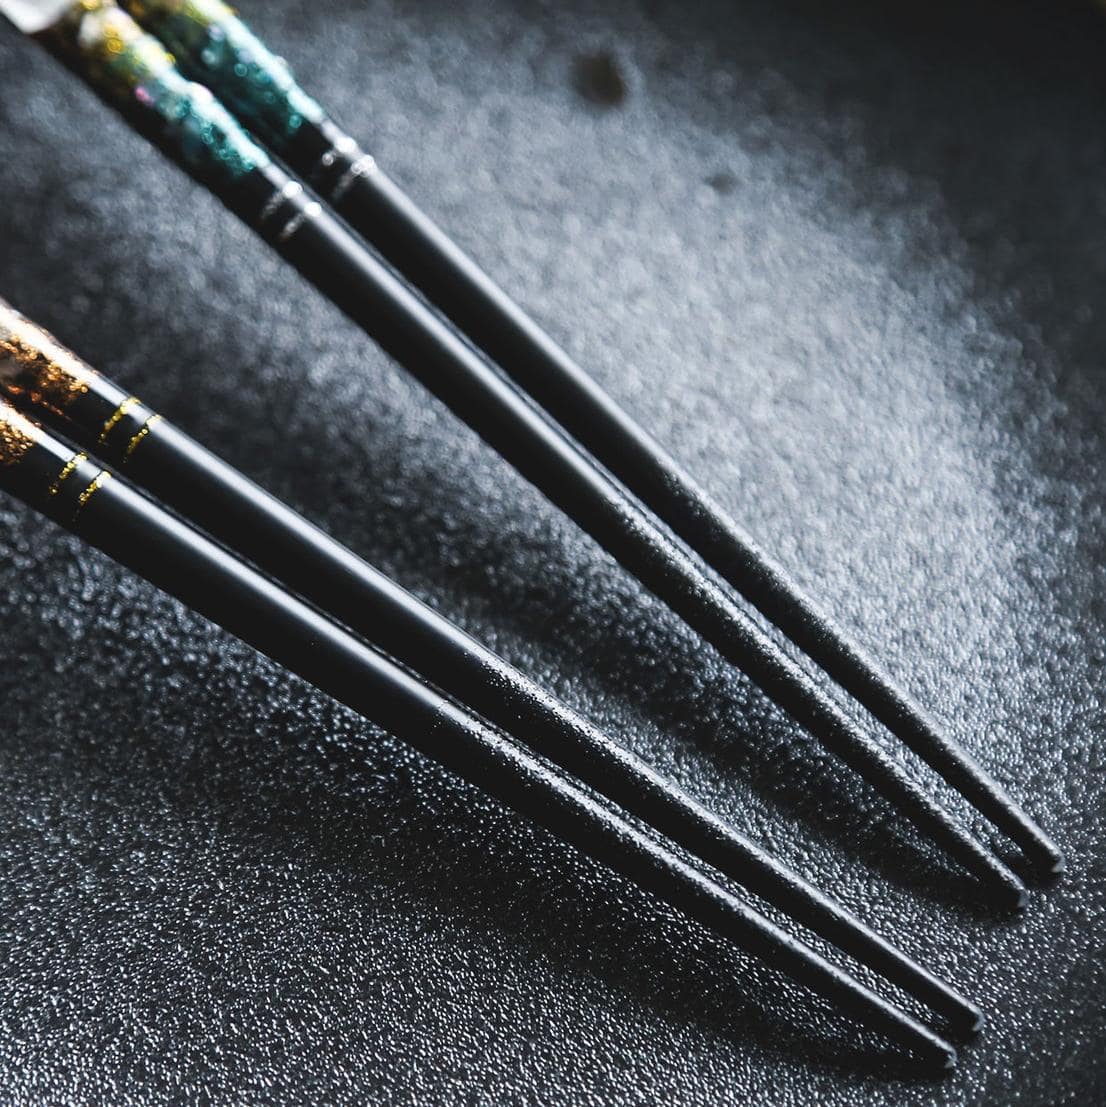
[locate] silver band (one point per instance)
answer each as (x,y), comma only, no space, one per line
(288,191)
(362,167)
(309,211)
(345,147)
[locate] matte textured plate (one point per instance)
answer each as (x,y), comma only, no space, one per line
(849,268)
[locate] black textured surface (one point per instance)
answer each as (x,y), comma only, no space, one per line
(848,269)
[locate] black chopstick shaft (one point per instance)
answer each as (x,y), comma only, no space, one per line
(209,493)
(108,513)
(333,259)
(378,209)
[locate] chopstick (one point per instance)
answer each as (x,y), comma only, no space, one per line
(40,375)
(75,491)
(213,46)
(133,71)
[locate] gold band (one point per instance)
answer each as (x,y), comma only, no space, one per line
(143,433)
(116,415)
(98,482)
(67,469)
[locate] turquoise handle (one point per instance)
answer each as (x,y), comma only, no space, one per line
(132,70)
(212,45)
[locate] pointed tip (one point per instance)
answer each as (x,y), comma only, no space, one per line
(1011,891)
(963,1019)
(969,1024)
(1003,886)
(1042,852)
(1009,886)
(937,1051)
(938,1054)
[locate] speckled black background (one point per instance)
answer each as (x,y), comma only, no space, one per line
(850,268)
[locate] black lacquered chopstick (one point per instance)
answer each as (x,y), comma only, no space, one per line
(73,490)
(41,375)
(212,45)
(132,70)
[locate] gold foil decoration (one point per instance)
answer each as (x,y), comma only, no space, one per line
(35,367)
(17,435)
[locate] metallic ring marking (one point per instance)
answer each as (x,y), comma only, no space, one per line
(116,415)
(98,482)
(362,167)
(143,433)
(66,471)
(342,148)
(310,211)
(288,191)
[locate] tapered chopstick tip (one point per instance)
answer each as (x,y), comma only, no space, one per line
(1008,889)
(1041,851)
(938,1053)
(967,1022)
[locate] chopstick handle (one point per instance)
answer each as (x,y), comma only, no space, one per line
(132,71)
(213,46)
(77,492)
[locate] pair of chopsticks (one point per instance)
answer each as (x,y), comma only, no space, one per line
(320,607)
(537,408)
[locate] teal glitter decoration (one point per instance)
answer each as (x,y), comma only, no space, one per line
(214,46)
(133,71)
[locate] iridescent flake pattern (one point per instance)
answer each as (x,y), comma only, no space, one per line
(213,45)
(132,69)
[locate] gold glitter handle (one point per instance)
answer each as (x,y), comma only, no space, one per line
(18,435)
(34,367)
(37,372)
